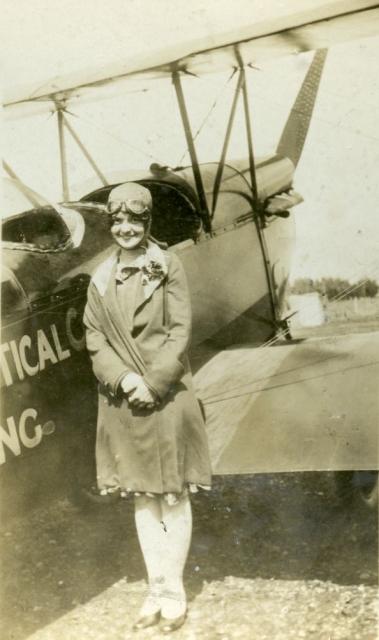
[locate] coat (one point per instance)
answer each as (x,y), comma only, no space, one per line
(144,450)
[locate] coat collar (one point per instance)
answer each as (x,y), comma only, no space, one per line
(103,274)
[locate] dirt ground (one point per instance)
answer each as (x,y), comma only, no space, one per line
(272,557)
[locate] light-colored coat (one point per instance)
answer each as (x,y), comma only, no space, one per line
(159,450)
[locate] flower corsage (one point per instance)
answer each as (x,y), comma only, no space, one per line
(152,270)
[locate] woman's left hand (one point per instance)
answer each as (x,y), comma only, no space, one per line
(142,397)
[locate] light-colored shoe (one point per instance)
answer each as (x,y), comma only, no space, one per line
(147,621)
(167,625)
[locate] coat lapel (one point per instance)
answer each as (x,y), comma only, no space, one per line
(105,282)
(154,255)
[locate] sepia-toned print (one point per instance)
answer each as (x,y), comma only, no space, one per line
(190,307)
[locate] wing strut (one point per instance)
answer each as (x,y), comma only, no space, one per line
(62,150)
(256,204)
(62,124)
(28,194)
(253,176)
(85,152)
(192,150)
(10,171)
(220,169)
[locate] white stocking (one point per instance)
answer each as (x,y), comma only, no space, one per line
(164,534)
(148,516)
(177,521)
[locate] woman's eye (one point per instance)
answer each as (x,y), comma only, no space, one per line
(136,221)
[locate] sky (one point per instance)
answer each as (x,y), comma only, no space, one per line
(337,225)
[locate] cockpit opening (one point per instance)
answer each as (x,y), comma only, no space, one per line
(40,229)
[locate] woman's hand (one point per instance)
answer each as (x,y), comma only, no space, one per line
(142,397)
(130,382)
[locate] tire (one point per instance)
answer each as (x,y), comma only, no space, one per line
(366,484)
(357,485)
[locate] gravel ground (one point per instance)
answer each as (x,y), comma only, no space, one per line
(272,557)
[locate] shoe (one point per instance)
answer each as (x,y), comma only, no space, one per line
(167,625)
(147,621)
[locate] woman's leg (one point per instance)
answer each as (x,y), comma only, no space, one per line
(177,521)
(148,516)
(164,533)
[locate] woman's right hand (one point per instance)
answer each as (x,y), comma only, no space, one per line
(138,394)
(142,397)
(130,382)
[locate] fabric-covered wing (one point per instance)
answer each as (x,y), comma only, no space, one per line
(293,28)
(293,407)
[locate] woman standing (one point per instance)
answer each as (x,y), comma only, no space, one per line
(150,435)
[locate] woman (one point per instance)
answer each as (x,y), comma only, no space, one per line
(150,435)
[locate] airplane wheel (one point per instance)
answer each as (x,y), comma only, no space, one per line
(362,485)
(286,329)
(367,487)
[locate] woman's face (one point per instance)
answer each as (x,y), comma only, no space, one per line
(127,230)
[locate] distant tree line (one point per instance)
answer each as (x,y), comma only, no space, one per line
(334,288)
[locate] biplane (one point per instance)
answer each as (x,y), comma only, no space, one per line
(231,224)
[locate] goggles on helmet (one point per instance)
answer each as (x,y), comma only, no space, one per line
(134,207)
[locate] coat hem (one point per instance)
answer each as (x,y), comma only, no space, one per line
(172,498)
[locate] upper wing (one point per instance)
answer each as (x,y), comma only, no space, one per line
(316,25)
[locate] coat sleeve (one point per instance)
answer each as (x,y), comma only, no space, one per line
(108,367)
(167,368)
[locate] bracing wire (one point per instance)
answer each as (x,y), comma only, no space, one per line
(316,118)
(350,290)
(112,135)
(286,384)
(215,397)
(208,115)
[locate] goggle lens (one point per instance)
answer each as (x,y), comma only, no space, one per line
(135,207)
